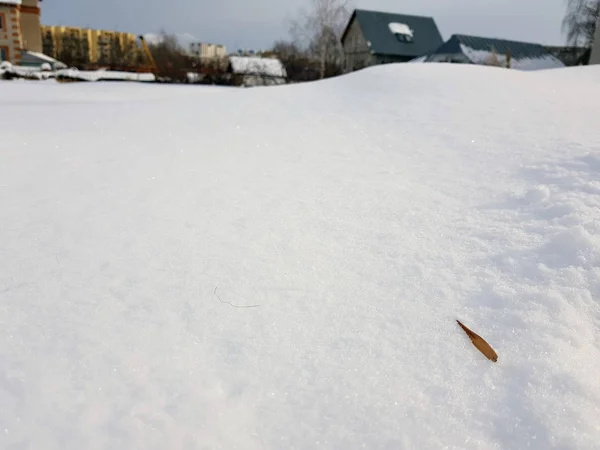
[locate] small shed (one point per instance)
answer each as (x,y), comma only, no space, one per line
(39,60)
(465,49)
(256,71)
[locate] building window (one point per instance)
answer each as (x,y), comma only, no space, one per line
(2,21)
(3,53)
(405,38)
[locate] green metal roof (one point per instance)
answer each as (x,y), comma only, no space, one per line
(517,49)
(375,28)
(473,48)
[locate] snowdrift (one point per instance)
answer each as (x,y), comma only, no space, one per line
(102,75)
(185,267)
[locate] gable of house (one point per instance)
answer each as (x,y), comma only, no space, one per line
(492,51)
(357,53)
(396,35)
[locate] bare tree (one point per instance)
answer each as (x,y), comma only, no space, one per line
(297,63)
(580,22)
(172,61)
(319,29)
(286,50)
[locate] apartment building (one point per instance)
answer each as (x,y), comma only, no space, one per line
(83,46)
(70,44)
(19,29)
(205,50)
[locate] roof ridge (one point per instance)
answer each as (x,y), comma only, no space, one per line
(392,13)
(459,35)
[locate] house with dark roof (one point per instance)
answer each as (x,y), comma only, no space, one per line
(375,37)
(465,49)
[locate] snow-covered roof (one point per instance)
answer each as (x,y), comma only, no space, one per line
(11,2)
(494,51)
(42,56)
(400,28)
(538,62)
(248,65)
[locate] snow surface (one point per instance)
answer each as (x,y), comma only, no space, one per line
(11,2)
(252,65)
(483,56)
(31,72)
(354,228)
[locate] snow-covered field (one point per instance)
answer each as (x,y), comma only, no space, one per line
(350,222)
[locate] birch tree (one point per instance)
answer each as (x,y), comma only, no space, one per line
(580,21)
(319,27)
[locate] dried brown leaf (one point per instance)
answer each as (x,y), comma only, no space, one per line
(480,343)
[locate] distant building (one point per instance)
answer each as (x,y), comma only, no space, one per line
(83,46)
(256,71)
(374,37)
(464,49)
(70,44)
(19,29)
(204,50)
(595,55)
(248,52)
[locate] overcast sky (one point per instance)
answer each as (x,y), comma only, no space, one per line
(257,23)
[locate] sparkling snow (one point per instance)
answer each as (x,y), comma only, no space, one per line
(356,218)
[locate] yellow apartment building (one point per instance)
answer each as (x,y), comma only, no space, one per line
(69,43)
(21,32)
(87,46)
